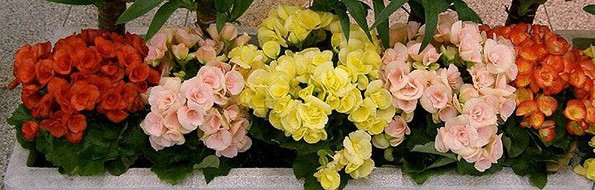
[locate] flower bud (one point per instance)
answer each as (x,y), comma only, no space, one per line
(205,54)
(228,32)
(180,51)
(380,141)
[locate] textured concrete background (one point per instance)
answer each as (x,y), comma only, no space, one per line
(32,21)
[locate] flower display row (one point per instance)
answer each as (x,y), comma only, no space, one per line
(329,101)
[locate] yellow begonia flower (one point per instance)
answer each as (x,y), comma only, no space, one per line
(308,19)
(362,170)
(278,88)
(292,122)
(350,101)
(271,49)
(328,177)
(587,170)
(379,96)
(358,148)
(372,125)
(246,56)
(363,111)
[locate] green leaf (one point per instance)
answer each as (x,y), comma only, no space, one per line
(429,148)
(305,165)
(161,16)
(538,177)
(359,14)
(221,18)
(239,7)
(442,161)
(210,161)
(383,29)
(222,6)
(590,9)
(323,5)
(222,170)
(515,134)
(74,2)
(466,13)
(311,183)
(137,9)
(391,8)
(345,24)
(432,9)
(174,174)
(20,115)
(422,176)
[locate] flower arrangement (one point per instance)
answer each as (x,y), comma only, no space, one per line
(93,71)
(330,99)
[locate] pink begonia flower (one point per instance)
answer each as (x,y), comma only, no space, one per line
(242,40)
(461,29)
(466,92)
(445,22)
(507,107)
(212,31)
(154,54)
(501,87)
(174,136)
(234,82)
(482,164)
(165,101)
(494,150)
(211,76)
(397,76)
(213,123)
(408,106)
(470,49)
(225,67)
(229,32)
(218,46)
(153,124)
(205,54)
(435,97)
(199,94)
(186,37)
(159,41)
(396,54)
(469,153)
(427,56)
(171,122)
(232,112)
(456,134)
(219,140)
(158,142)
(190,118)
(229,152)
(397,128)
(451,76)
(480,112)
(481,77)
(449,111)
(220,98)
(498,57)
(171,83)
(412,90)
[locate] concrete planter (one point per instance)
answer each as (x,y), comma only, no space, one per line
(20,176)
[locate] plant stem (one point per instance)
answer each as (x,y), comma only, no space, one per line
(515,17)
(108,12)
(205,13)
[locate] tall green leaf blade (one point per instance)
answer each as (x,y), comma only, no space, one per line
(223,6)
(590,9)
(239,7)
(137,9)
(358,13)
(466,13)
(220,21)
(161,16)
(74,2)
(386,12)
(432,9)
(344,19)
(383,28)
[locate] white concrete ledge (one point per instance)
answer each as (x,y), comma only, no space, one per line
(19,176)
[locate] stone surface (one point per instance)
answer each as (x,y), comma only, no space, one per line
(19,176)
